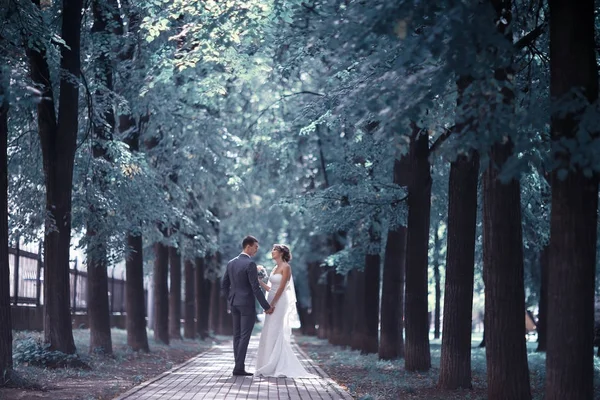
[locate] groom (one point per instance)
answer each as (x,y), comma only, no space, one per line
(240,285)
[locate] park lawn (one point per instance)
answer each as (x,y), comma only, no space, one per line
(108,376)
(368,378)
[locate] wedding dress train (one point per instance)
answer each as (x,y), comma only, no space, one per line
(275,357)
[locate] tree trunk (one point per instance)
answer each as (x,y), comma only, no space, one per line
(418,357)
(437,247)
(137,338)
(202,290)
(573,222)
(104,125)
(325,304)
(6,362)
(338,297)
(225,319)
(371,306)
(189,327)
(58,138)
(175,293)
(98,302)
(359,325)
(455,364)
(349,308)
(391,345)
(506,352)
(541,326)
(161,293)
(392,301)
(313,278)
(215,289)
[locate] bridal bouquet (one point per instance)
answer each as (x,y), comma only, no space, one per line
(262,273)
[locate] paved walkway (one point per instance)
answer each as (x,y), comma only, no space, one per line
(208,376)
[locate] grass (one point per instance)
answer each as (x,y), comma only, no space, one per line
(367,377)
(107,375)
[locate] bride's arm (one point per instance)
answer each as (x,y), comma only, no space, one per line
(264,285)
(286,273)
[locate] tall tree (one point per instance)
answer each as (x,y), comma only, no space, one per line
(107,22)
(189,327)
(58,137)
(573,222)
(161,293)
(542,324)
(437,248)
(506,352)
(391,344)
(202,291)
(137,336)
(417,354)
(6,361)
(175,293)
(455,365)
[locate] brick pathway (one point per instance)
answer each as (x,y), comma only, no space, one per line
(208,376)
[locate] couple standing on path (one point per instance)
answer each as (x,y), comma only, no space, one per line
(241,285)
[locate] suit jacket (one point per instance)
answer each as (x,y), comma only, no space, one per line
(240,283)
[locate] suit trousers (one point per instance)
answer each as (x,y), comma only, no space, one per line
(243,323)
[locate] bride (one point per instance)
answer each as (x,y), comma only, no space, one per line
(275,355)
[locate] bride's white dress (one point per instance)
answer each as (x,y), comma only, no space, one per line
(275,357)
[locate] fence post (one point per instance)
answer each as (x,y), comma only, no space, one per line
(16,274)
(38,278)
(75,273)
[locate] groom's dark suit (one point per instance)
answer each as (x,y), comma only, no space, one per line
(240,285)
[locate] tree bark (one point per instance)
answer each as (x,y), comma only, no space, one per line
(391,345)
(455,364)
(175,293)
(338,297)
(573,221)
(418,357)
(506,352)
(189,327)
(371,306)
(349,308)
(325,304)
(392,301)
(137,338)
(437,247)
(215,289)
(161,293)
(359,326)
(58,137)
(107,22)
(542,324)
(202,290)
(6,362)
(98,303)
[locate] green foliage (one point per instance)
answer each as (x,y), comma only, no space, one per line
(33,352)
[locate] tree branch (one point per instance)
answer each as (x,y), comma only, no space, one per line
(285,96)
(531,37)
(441,139)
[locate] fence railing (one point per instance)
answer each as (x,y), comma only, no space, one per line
(27,282)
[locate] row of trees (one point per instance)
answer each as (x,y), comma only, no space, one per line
(346,129)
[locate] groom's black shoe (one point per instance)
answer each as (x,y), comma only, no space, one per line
(242,373)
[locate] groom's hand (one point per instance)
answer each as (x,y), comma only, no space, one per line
(270,310)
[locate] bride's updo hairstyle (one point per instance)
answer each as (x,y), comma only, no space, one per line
(286,254)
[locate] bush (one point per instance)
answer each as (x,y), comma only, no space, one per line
(30,351)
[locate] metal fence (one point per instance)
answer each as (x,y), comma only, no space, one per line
(27,281)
